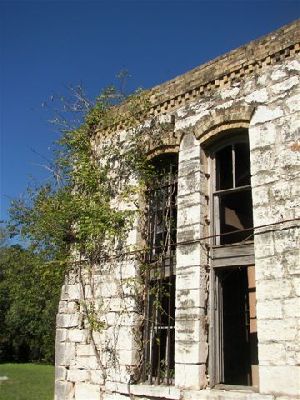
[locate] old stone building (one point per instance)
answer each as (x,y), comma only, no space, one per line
(227,211)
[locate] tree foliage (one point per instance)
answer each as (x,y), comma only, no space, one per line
(75,207)
(76,212)
(29,292)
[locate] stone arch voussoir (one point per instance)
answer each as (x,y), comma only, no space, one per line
(222,119)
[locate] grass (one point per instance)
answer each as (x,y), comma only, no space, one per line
(27,382)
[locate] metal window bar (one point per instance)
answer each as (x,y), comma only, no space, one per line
(159,328)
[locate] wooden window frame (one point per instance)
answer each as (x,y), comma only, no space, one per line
(240,254)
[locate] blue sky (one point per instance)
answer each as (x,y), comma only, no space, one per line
(47,45)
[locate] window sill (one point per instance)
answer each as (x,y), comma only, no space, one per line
(230,392)
(236,388)
(141,389)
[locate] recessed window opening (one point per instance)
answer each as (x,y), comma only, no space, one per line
(233,343)
(159,332)
(232,194)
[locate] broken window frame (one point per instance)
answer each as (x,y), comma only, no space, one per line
(236,254)
(160,278)
(220,194)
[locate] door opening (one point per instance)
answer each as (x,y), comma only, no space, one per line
(237,326)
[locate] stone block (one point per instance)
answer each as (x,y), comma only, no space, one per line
(115,396)
(74,292)
(260,196)
(188,352)
(265,176)
(132,237)
(67,320)
(286,240)
(96,377)
(285,85)
(107,288)
(124,304)
(187,122)
(291,260)
(272,353)
(60,373)
(190,298)
(230,93)
(293,103)
(266,215)
(191,326)
(86,362)
(280,380)
(85,350)
(191,232)
(265,114)
(61,335)
(190,314)
(126,269)
(64,354)
(188,215)
(64,390)
(190,277)
(291,307)
(188,255)
(188,141)
(128,339)
(189,200)
(277,330)
(190,183)
(128,357)
(293,65)
(278,74)
(78,375)
(190,376)
(269,309)
(77,335)
(269,268)
(271,289)
(296,285)
(84,391)
(257,96)
(262,159)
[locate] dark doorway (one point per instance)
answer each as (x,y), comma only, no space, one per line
(238,339)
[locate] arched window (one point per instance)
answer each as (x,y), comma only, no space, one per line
(233,218)
(233,338)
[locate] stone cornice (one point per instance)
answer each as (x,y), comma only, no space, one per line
(223,71)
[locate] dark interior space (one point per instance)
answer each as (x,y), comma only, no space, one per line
(236,332)
(236,214)
(163,344)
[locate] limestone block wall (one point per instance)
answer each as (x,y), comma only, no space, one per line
(191,339)
(86,357)
(255,87)
(274,139)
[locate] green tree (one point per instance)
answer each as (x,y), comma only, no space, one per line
(71,214)
(29,293)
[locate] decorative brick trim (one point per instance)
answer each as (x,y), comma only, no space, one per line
(219,120)
(222,72)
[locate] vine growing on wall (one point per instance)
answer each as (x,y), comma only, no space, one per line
(75,209)
(80,217)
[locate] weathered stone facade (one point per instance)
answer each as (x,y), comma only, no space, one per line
(254,88)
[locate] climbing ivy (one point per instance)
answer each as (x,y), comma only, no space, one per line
(82,216)
(75,210)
